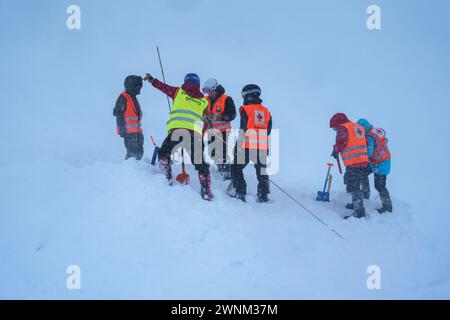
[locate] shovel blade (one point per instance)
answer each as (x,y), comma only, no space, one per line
(323,196)
(183,178)
(155,154)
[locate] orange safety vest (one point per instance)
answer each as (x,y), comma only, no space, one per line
(131,117)
(258,121)
(381,152)
(218,108)
(356,149)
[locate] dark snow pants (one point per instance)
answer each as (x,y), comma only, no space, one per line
(134,143)
(237,171)
(222,160)
(379,181)
(352,179)
(194,147)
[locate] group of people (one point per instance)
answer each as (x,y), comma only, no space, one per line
(195,114)
(209,112)
(364,150)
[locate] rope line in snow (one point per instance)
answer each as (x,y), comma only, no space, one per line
(306,209)
(298,202)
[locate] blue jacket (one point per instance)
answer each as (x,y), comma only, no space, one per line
(382,168)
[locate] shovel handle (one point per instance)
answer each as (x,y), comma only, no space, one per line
(339,165)
(153,140)
(330,179)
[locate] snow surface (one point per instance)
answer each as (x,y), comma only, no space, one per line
(162,243)
(67,198)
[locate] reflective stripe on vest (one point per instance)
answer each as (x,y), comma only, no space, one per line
(258,121)
(356,148)
(186,112)
(131,117)
(381,152)
(218,108)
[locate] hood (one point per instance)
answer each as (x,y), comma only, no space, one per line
(193,90)
(133,85)
(220,91)
(365,124)
(338,119)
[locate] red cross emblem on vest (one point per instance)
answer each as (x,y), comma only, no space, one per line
(260,117)
(359,132)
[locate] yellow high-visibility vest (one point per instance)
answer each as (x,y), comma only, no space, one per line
(186,112)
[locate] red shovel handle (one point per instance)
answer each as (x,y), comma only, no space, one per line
(153,140)
(339,165)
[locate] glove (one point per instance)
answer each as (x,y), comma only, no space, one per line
(207,119)
(148,77)
(216,117)
(335,154)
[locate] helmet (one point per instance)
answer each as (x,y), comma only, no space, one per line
(251,90)
(192,78)
(210,85)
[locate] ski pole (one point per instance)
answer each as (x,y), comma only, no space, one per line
(162,71)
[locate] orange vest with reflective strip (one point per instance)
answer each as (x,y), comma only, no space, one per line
(131,117)
(218,108)
(381,152)
(356,149)
(258,121)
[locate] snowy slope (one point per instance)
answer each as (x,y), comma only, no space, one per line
(162,242)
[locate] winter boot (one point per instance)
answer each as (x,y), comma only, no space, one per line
(386,203)
(231,191)
(350,206)
(358,206)
(263,191)
(360,213)
(205,185)
(164,165)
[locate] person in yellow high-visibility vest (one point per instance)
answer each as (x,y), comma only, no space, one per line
(186,117)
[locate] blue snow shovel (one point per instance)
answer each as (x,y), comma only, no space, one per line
(155,152)
(325,195)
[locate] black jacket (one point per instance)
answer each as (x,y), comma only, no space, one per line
(244,117)
(119,110)
(229,114)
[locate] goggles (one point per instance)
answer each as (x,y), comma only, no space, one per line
(208,90)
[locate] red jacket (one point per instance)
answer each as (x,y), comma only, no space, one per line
(190,88)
